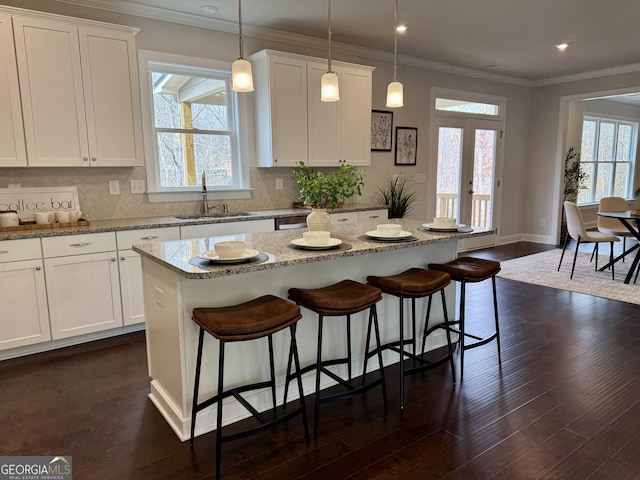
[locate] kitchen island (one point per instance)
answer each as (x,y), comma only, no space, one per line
(176,281)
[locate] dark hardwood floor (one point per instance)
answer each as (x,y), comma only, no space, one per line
(563,404)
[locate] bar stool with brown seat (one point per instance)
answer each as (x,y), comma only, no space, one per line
(472,270)
(251,320)
(415,283)
(341,299)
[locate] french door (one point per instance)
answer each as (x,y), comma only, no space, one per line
(466,173)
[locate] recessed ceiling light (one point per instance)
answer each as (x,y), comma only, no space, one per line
(402,28)
(562,46)
(209,9)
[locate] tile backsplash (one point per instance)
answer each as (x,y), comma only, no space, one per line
(97,204)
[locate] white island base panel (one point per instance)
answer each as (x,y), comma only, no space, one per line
(172,337)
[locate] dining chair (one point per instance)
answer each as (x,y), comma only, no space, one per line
(613,226)
(577,230)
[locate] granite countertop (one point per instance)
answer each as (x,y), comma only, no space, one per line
(275,248)
(97,226)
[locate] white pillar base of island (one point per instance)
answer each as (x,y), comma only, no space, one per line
(172,336)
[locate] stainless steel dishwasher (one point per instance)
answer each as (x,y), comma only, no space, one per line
(289,223)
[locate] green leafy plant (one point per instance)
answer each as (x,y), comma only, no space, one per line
(575,178)
(327,189)
(397,196)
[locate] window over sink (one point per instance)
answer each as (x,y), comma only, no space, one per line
(191,118)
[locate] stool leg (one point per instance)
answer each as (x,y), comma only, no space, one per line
(447,330)
(194,404)
(495,310)
(349,346)
(273,375)
(286,380)
(401,299)
(461,335)
(373,313)
(426,324)
(219,413)
(316,406)
(413,328)
(366,349)
(296,358)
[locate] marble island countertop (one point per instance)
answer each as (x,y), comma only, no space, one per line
(181,256)
(97,226)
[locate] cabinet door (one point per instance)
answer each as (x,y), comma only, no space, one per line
(83,293)
(280,109)
(355,115)
(24,319)
(131,287)
(12,148)
(324,121)
(48,56)
(112,98)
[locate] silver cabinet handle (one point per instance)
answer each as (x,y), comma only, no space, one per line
(342,219)
(374,216)
(80,244)
(85,159)
(38,268)
(123,259)
(150,237)
(113,259)
(3,251)
(93,159)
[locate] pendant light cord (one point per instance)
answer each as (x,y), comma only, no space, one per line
(395,45)
(240,27)
(329,28)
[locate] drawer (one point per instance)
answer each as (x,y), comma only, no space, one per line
(78,244)
(373,216)
(344,218)
(16,250)
(127,238)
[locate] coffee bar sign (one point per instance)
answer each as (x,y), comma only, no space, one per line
(28,201)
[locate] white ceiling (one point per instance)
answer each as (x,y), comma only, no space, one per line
(515,38)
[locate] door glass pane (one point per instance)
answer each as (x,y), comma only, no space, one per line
(449,160)
(483,166)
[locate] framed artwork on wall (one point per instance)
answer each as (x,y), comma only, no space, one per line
(406,145)
(381,130)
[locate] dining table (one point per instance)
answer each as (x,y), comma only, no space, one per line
(630,219)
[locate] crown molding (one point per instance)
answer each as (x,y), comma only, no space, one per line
(605,72)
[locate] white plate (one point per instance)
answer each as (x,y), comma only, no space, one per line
(402,235)
(212,256)
(432,226)
(300,242)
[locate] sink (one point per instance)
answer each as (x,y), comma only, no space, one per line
(195,216)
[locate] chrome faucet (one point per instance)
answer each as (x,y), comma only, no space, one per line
(205,203)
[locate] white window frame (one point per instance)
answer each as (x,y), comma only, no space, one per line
(242,124)
(598,118)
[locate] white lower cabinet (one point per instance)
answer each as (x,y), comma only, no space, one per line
(131,268)
(24,319)
(83,289)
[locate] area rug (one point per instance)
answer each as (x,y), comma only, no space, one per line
(542,269)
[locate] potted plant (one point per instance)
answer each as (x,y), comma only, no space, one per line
(322,190)
(575,179)
(396,195)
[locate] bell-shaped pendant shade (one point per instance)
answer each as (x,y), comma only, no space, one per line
(395,95)
(242,76)
(329,89)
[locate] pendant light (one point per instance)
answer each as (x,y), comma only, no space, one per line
(329,89)
(394,89)
(241,74)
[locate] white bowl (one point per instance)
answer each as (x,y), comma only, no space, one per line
(230,249)
(316,237)
(444,222)
(389,229)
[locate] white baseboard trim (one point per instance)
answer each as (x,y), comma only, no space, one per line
(538,239)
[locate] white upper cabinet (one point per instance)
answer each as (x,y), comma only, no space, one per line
(80,96)
(293,125)
(340,132)
(12,147)
(281,110)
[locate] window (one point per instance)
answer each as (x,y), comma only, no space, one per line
(607,156)
(191,117)
(466,106)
